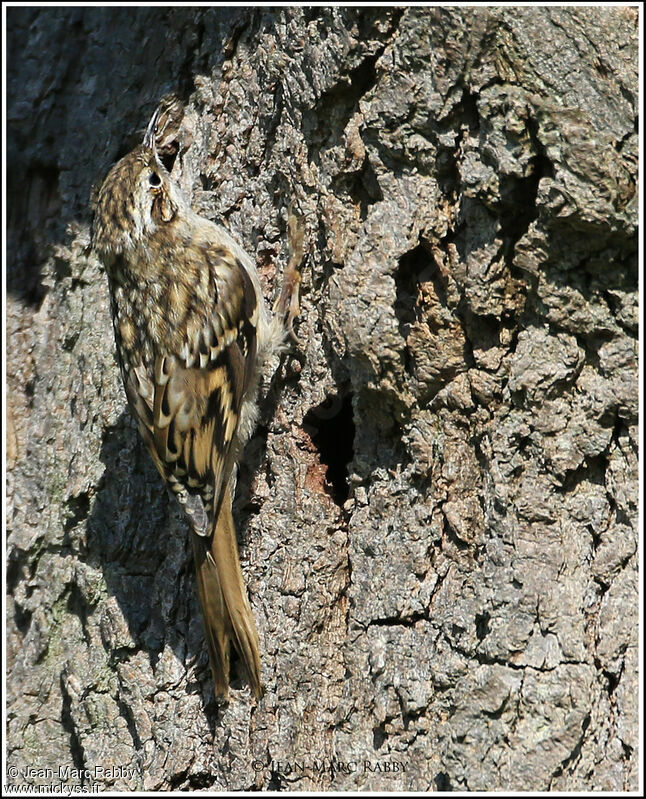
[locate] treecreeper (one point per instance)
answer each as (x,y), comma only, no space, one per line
(193,335)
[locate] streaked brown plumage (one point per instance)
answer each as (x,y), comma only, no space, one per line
(192,331)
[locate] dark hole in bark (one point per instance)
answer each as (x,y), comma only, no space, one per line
(415,267)
(331,428)
(442,782)
(378,738)
(482,625)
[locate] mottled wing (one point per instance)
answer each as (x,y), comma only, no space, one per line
(188,410)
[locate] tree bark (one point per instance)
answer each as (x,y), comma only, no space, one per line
(438,511)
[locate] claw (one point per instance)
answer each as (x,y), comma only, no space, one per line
(287,304)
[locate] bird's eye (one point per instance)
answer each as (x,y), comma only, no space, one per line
(154,180)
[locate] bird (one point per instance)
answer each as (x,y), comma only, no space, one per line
(193,334)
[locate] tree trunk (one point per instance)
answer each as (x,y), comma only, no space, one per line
(438,512)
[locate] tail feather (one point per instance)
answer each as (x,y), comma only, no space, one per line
(225,606)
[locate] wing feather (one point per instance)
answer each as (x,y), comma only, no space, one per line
(188,405)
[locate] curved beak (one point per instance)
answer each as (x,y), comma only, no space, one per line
(150,135)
